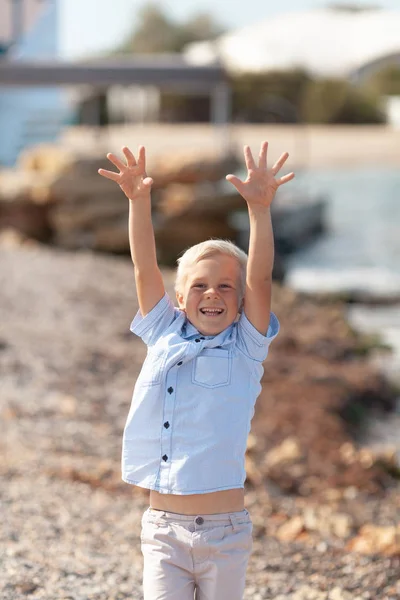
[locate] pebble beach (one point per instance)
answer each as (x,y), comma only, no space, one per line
(326,518)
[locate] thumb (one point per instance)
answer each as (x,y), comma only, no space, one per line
(148,181)
(236,182)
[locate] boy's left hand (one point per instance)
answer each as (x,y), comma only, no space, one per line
(260,186)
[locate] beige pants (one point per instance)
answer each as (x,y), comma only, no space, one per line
(202,554)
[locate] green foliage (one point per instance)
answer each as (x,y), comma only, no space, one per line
(156,32)
(200,27)
(294,96)
(268,97)
(336,101)
(386,82)
(284,97)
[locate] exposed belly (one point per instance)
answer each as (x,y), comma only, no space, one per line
(199,504)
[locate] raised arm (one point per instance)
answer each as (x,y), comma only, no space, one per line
(136,186)
(259,190)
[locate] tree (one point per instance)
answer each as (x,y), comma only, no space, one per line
(156,32)
(352,7)
(200,27)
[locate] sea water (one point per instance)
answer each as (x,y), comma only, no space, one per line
(359,254)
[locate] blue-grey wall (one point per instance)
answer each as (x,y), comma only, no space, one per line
(30,115)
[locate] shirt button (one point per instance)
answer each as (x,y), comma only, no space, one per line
(202,338)
(179,363)
(165,457)
(199,520)
(170,390)
(166,425)
(197,340)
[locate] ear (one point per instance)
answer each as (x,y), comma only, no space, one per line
(180,299)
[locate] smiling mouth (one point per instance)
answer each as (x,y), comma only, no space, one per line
(212,312)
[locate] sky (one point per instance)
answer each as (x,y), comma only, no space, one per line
(92,27)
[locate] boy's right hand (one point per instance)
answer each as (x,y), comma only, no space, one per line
(132,178)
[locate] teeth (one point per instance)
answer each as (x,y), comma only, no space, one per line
(212,311)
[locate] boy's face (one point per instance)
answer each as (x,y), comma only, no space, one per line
(211,294)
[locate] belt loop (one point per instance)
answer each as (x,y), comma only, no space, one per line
(233,520)
(160,516)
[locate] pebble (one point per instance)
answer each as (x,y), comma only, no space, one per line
(69,527)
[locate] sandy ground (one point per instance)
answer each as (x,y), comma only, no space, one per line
(309,146)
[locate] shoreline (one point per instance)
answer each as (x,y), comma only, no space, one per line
(310,146)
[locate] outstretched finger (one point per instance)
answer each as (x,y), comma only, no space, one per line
(130,159)
(238,183)
(285,178)
(280,162)
(142,158)
(109,174)
(250,164)
(148,181)
(116,161)
(262,162)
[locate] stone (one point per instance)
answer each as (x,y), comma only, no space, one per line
(287,451)
(291,529)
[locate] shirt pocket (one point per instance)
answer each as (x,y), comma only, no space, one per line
(212,368)
(152,369)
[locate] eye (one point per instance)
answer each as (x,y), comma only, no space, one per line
(198,285)
(225,285)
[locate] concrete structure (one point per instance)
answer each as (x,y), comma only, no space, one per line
(132,85)
(34,110)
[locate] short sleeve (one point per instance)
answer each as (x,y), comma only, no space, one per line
(253,343)
(151,326)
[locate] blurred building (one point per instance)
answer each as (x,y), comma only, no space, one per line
(327,42)
(92,92)
(16,19)
(333,42)
(29,115)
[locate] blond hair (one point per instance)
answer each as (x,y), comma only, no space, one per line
(195,253)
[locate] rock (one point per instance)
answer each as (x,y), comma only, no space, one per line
(190,167)
(29,219)
(338,593)
(12,238)
(90,211)
(327,522)
(288,450)
(45,158)
(206,200)
(253,474)
(341,525)
(25,200)
(174,236)
(26,187)
(291,529)
(372,539)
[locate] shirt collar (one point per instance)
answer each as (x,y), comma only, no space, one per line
(224,338)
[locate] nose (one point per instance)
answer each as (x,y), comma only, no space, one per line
(211,292)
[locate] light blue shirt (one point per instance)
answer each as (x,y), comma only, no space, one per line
(193,402)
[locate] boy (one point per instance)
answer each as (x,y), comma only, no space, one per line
(186,432)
